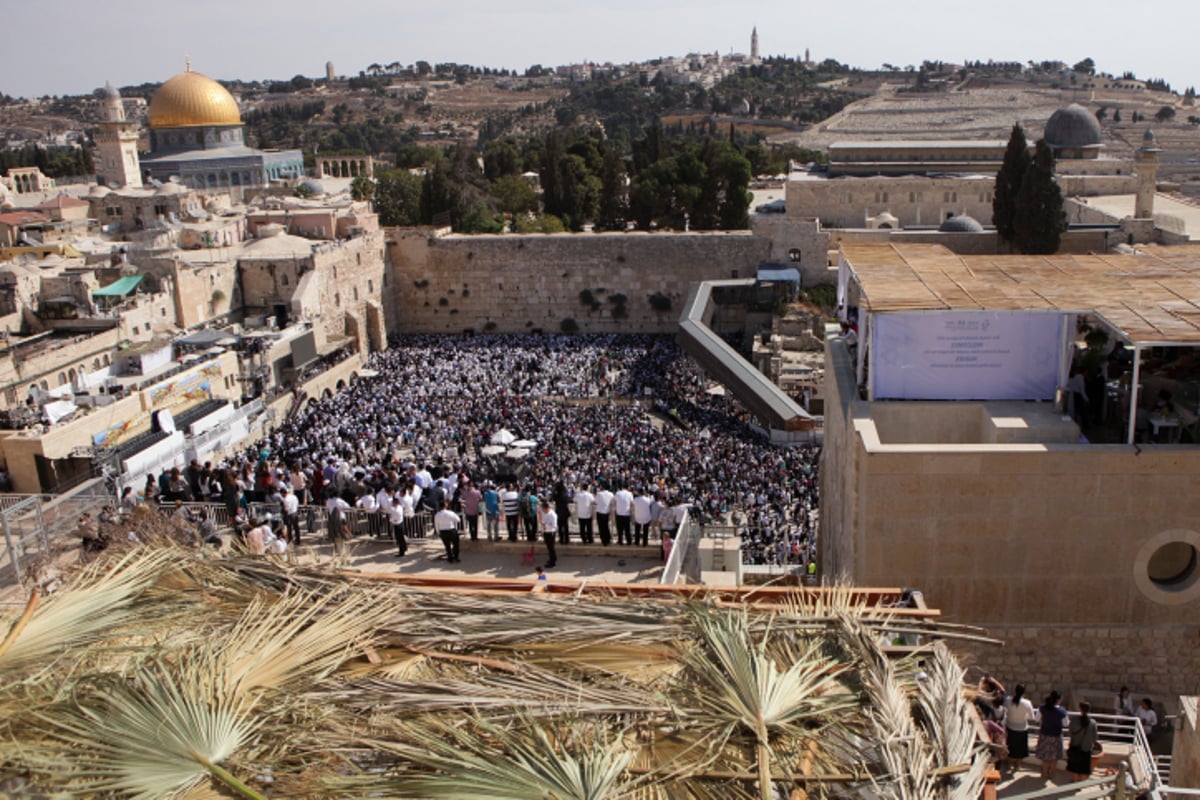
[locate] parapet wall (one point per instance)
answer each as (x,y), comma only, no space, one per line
(513,283)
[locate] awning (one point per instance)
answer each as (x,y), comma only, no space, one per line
(207,338)
(120,288)
(779,274)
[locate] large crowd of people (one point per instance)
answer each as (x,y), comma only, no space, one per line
(599,414)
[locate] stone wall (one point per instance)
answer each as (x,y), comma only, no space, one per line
(511,283)
(1091,663)
(914,200)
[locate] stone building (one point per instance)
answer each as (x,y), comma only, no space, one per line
(950,465)
(196,136)
(117,164)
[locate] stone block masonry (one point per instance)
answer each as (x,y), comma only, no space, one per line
(519,283)
(1092,662)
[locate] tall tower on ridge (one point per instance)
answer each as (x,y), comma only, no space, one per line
(1145,167)
(754,44)
(116,144)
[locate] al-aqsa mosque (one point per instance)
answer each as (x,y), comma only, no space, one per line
(196,136)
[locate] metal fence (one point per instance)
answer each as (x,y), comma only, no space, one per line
(33,524)
(313,519)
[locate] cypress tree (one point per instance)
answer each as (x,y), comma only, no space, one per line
(1008,182)
(1040,219)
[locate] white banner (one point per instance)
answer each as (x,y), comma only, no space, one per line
(966,355)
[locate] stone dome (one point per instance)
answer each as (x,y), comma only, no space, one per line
(110,91)
(1072,128)
(314,186)
(961,224)
(191,99)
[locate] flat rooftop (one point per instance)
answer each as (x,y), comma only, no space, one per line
(1150,298)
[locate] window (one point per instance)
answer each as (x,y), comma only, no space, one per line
(794,255)
(135,330)
(283,279)
(1167,567)
(356,294)
(337,300)
(370,285)
(163,311)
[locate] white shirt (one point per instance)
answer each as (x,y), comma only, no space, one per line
(383,501)
(549,520)
(407,506)
(445,520)
(291,504)
(1017,715)
(641,509)
(367,502)
(604,500)
(622,502)
(585,503)
(1148,717)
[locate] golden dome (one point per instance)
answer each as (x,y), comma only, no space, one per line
(191,99)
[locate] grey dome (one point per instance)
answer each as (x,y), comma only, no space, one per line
(111,92)
(1149,138)
(313,185)
(961,224)
(1072,128)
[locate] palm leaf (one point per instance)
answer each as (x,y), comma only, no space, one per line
(155,735)
(527,761)
(99,606)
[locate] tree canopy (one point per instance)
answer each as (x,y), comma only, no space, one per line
(1039,219)
(1008,182)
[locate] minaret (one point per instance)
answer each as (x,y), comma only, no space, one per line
(754,44)
(1145,167)
(117,165)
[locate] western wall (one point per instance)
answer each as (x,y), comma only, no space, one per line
(521,283)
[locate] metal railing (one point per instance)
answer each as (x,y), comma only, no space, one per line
(313,519)
(1128,731)
(33,523)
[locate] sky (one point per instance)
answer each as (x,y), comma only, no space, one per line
(74,46)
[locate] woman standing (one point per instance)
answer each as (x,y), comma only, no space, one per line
(1018,711)
(1050,733)
(1083,739)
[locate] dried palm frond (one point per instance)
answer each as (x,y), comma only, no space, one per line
(98,606)
(949,728)
(528,760)
(155,735)
(734,683)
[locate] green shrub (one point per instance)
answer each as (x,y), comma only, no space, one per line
(568,325)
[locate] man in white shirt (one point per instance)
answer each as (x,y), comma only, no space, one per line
(585,507)
(395,515)
(446,523)
(604,501)
(643,515)
(548,522)
(623,507)
(291,517)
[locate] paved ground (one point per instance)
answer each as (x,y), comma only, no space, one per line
(1121,205)
(502,560)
